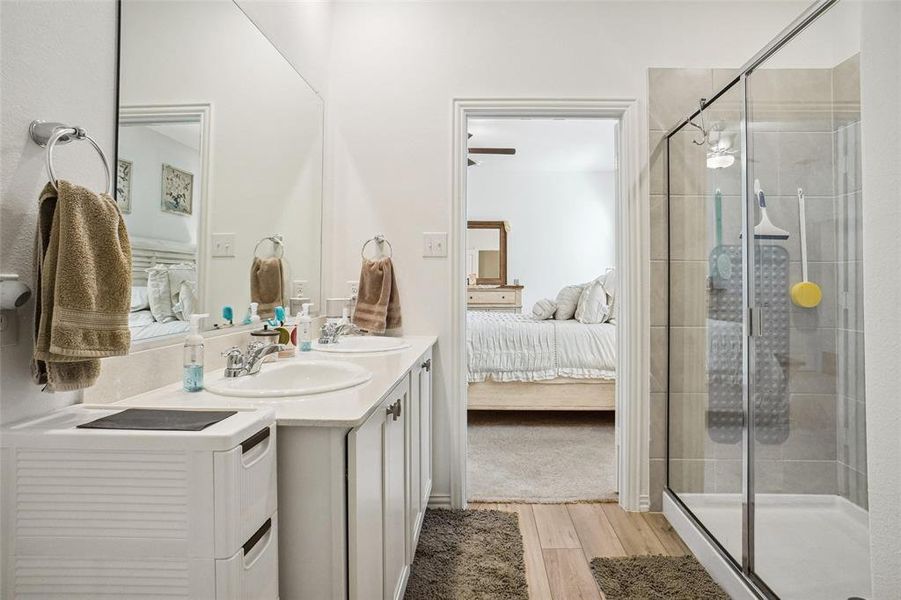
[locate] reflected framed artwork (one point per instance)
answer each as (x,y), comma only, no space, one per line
(178,190)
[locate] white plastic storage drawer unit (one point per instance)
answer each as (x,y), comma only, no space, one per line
(125,513)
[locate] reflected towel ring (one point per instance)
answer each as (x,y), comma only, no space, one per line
(47,135)
(378,239)
(278,244)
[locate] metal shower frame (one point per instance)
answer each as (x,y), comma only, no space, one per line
(751,320)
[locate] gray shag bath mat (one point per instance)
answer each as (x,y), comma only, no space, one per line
(467,554)
(541,457)
(655,578)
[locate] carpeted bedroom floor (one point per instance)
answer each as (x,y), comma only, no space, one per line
(538,457)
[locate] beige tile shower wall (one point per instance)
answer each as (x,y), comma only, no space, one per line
(850,395)
(672,94)
(794,138)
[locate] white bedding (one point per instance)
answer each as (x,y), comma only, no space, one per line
(514,347)
(143,326)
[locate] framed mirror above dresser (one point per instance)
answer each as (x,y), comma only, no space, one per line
(486,266)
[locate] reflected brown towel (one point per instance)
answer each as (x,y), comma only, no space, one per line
(378,299)
(266,285)
(82,265)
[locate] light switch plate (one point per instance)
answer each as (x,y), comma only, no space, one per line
(223,245)
(434,244)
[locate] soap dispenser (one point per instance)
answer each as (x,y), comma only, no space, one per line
(193,356)
(305,329)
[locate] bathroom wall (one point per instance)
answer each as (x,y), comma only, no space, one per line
(561,225)
(880,95)
(58,63)
(394,72)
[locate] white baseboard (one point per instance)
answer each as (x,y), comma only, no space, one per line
(644,503)
(440,501)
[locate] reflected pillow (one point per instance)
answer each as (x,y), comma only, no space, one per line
(609,279)
(179,274)
(187,298)
(140,299)
(593,307)
(544,309)
(159,295)
(568,301)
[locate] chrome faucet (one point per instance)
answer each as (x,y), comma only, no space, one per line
(239,364)
(331,333)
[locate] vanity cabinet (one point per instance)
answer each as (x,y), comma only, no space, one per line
(355,498)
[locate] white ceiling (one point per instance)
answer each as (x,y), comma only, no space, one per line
(183,133)
(545,144)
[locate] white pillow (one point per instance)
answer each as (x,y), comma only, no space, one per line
(187,298)
(593,307)
(178,275)
(544,309)
(139,298)
(609,279)
(568,301)
(159,295)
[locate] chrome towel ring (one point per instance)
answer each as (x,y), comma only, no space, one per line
(48,134)
(278,245)
(378,239)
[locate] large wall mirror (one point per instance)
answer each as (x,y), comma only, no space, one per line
(219,167)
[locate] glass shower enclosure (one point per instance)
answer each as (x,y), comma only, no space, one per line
(766,444)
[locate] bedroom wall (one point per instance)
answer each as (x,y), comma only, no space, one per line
(68,75)
(394,72)
(561,225)
(148,150)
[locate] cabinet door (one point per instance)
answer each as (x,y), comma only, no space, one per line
(365,446)
(414,499)
(394,491)
(425,429)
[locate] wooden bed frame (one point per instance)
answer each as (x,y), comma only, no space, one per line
(554,394)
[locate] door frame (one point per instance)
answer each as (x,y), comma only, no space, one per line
(631,249)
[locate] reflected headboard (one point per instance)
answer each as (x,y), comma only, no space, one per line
(146,253)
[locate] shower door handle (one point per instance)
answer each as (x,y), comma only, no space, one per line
(755,316)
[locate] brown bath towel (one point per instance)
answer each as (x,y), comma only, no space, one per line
(82,266)
(378,299)
(266,285)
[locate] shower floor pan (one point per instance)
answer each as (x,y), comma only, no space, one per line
(807,546)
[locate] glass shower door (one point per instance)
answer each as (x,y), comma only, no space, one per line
(706,320)
(808,518)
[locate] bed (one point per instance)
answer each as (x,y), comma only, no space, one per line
(146,256)
(518,362)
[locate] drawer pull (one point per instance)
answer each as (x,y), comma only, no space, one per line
(427,365)
(256,537)
(394,410)
(254,440)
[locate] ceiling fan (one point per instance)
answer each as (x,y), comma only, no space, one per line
(503,151)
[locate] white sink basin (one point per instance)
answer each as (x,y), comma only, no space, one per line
(363,343)
(293,379)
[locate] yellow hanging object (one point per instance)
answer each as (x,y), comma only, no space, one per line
(806,294)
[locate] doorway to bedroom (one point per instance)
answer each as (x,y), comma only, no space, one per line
(540,330)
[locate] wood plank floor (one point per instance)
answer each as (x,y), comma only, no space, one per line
(559,541)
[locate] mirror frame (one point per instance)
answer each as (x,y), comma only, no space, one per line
(502,228)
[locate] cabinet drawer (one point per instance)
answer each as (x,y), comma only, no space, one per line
(245,489)
(493,297)
(251,573)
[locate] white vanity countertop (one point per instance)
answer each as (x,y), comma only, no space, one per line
(342,408)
